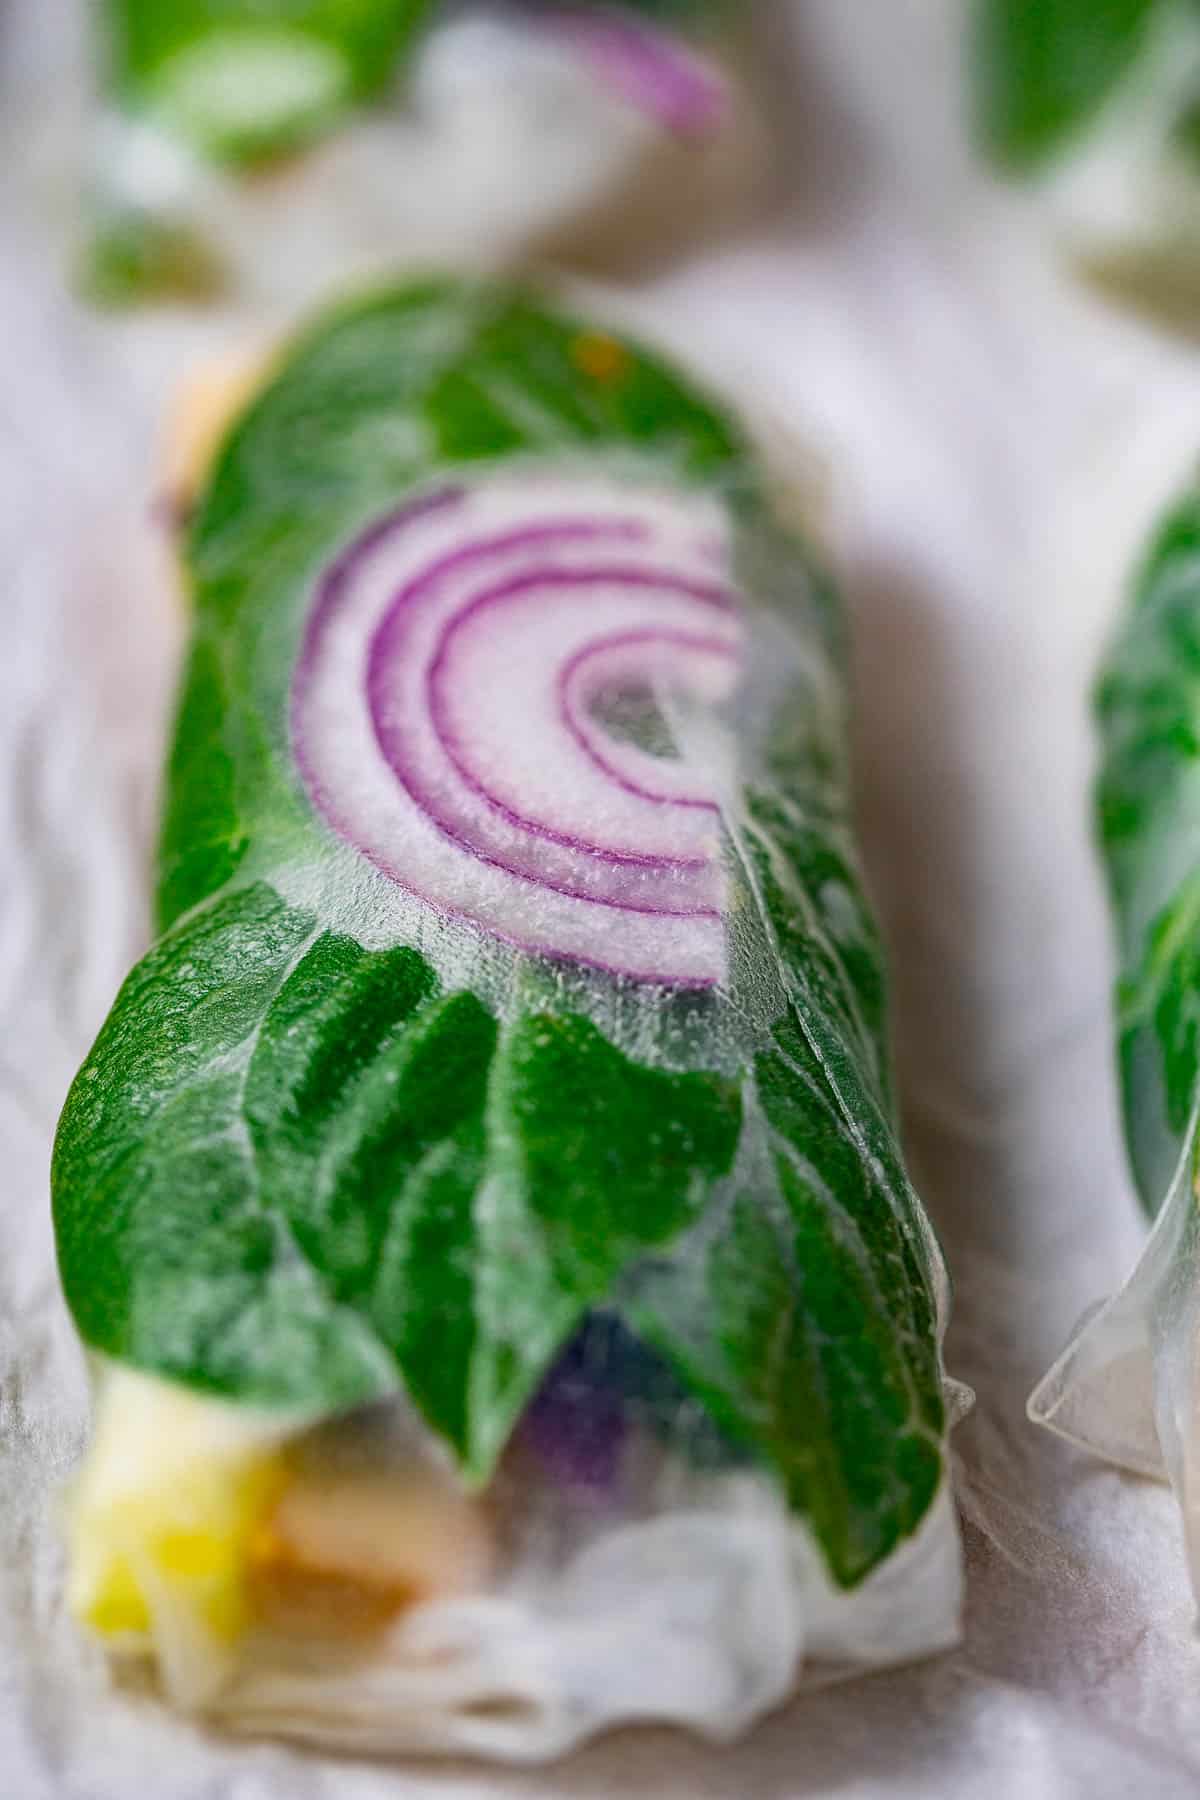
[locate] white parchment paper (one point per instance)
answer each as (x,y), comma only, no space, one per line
(997,445)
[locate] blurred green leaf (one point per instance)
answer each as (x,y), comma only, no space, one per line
(1042,69)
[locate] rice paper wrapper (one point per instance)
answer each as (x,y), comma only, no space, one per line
(1125,1388)
(507,1089)
(477,133)
(706,1617)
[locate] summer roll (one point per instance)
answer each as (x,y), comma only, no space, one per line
(509,1310)
(265,147)
(1126,1387)
(1097,110)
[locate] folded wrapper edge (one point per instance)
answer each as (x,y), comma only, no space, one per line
(1126,1387)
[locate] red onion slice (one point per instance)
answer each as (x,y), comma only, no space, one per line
(444,723)
(652,659)
(649,68)
(524,626)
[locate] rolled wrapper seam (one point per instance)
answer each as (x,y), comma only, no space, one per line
(1125,1386)
(483,1201)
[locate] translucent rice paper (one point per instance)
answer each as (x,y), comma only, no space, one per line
(505,133)
(697,1601)
(1127,1387)
(700,1617)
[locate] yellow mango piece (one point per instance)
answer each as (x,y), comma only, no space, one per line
(118,1608)
(205,407)
(194,1555)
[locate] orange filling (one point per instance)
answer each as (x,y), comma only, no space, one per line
(344,1554)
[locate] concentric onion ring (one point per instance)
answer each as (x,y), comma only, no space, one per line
(444,716)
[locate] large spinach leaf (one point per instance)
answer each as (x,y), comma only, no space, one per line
(1043,68)
(1149,814)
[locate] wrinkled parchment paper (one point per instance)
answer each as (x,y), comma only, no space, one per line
(996,445)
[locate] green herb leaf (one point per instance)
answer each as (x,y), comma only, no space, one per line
(597,1161)
(1043,68)
(807,1324)
(170,1256)
(1148,797)
(248,78)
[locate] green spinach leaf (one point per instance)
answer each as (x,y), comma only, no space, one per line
(1043,68)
